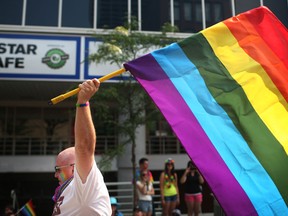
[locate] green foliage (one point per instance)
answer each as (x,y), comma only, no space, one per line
(121,46)
(105,162)
(167,27)
(127,97)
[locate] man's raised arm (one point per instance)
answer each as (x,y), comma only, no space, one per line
(85,135)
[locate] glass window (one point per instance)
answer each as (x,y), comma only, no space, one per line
(11,12)
(155,14)
(198,14)
(134,9)
(176,11)
(156,124)
(42,13)
(188,11)
(111,13)
(208,12)
(245,5)
(3,122)
(218,17)
(77,13)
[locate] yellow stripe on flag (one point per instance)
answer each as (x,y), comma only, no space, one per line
(263,95)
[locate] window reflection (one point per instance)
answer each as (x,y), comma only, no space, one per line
(42,13)
(77,13)
(11,12)
(188,11)
(113,13)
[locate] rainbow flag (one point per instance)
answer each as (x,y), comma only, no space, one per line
(224,91)
(28,209)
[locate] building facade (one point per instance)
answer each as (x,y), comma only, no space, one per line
(43,47)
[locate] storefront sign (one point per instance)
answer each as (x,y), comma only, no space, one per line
(34,56)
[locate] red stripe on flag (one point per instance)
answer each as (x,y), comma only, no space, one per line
(269,50)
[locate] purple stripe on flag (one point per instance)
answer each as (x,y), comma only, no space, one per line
(233,199)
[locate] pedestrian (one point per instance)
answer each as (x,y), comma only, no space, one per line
(193,181)
(145,191)
(115,207)
(143,166)
(81,190)
(169,188)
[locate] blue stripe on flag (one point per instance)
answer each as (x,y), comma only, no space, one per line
(231,145)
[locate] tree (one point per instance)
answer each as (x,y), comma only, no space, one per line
(119,46)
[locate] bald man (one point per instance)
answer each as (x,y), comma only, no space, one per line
(81,190)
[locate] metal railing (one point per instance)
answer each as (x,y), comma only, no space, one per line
(24,145)
(164,145)
(123,192)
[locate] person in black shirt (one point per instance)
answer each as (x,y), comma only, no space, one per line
(193,189)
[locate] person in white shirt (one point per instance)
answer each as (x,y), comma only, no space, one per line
(145,190)
(81,190)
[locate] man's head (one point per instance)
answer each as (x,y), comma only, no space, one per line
(143,164)
(65,162)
